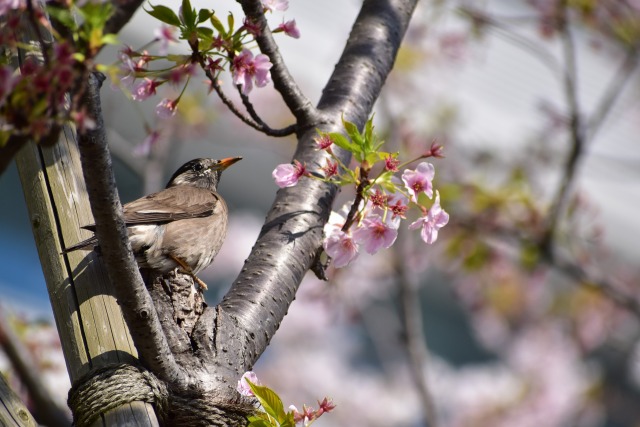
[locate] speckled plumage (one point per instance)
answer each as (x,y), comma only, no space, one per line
(184,224)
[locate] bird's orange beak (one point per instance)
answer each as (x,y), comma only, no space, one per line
(225,163)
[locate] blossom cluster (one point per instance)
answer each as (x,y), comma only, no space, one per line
(215,47)
(371,221)
(273,413)
(34,103)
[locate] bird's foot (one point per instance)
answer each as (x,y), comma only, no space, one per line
(185,267)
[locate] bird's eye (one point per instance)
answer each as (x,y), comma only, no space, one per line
(198,167)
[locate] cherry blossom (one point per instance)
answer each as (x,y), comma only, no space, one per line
(289,28)
(144,89)
(271,5)
(166,108)
(288,175)
(144,148)
(341,247)
(330,169)
(434,220)
(246,68)
(243,386)
(419,180)
(374,234)
(165,35)
(324,142)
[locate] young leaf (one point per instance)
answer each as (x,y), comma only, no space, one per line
(63,16)
(164,14)
(352,131)
(217,24)
(269,400)
(188,14)
(204,14)
(342,141)
(230,21)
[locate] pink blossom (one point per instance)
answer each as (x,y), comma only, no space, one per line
(165,35)
(434,220)
(243,386)
(374,234)
(144,89)
(7,5)
(245,69)
(341,247)
(144,148)
(288,175)
(419,180)
(289,28)
(166,108)
(391,163)
(252,27)
(272,5)
(330,169)
(324,141)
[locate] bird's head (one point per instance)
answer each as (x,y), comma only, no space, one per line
(203,173)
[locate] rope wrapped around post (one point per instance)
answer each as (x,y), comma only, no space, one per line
(108,387)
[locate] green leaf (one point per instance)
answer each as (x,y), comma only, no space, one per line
(110,39)
(352,131)
(203,15)
(260,419)
(343,142)
(217,24)
(205,32)
(63,16)
(188,14)
(269,400)
(164,14)
(96,14)
(231,22)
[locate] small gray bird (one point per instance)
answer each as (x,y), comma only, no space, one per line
(183,225)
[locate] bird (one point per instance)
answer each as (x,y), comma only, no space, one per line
(182,226)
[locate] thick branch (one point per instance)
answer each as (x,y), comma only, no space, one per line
(123,11)
(137,307)
(292,234)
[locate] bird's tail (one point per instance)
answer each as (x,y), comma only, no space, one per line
(86,245)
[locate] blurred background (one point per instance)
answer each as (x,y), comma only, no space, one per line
(523,313)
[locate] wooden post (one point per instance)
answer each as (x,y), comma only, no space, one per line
(13,413)
(91,327)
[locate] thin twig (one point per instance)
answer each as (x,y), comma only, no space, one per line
(289,130)
(514,37)
(561,263)
(576,130)
(296,101)
(261,126)
(416,340)
(612,93)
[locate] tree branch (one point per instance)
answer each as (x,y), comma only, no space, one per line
(284,83)
(123,11)
(416,341)
(259,298)
(136,304)
(47,410)
(576,130)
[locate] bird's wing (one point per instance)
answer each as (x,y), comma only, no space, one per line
(171,204)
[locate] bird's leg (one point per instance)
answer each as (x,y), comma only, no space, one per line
(189,271)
